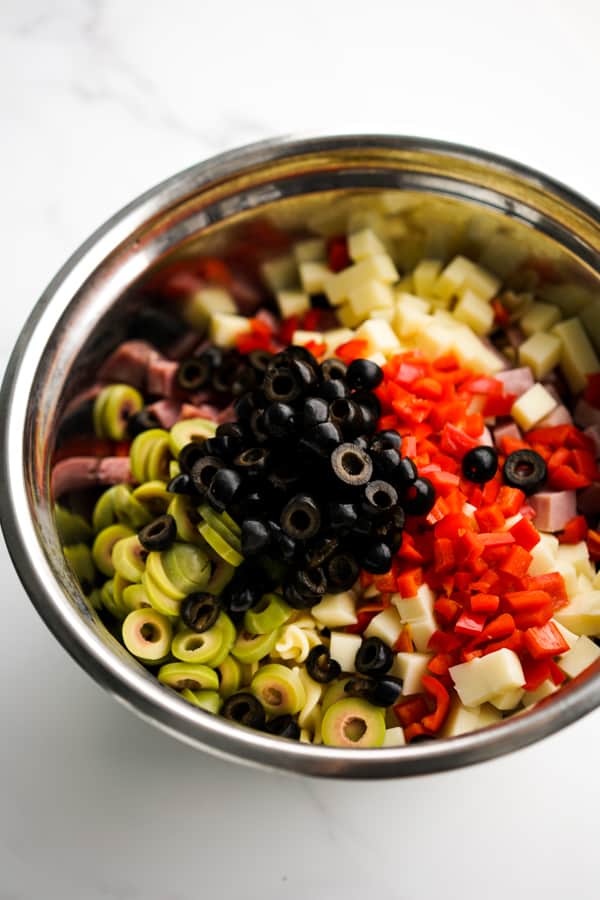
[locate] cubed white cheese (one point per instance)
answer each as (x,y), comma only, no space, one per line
(310,250)
(412,608)
(578,556)
(386,625)
(463,719)
(302,338)
(225,328)
(425,275)
(507,699)
(204,302)
(471,351)
(336,610)
(378,358)
(388,313)
(541,352)
(582,613)
(411,314)
(394,737)
(347,317)
(433,339)
(280,273)
(546,688)
(379,267)
(410,668)
(313,276)
(570,637)
(480,679)
(335,337)
(590,317)
(569,575)
(463,273)
(292,303)
(584,653)
(379,336)
(475,312)
(577,356)
(532,406)
(343,648)
(421,630)
(539,317)
(371,295)
(364,243)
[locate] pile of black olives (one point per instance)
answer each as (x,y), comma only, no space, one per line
(305,474)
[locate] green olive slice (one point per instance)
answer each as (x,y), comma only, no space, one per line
(128,510)
(142,446)
(72,528)
(216,522)
(147,634)
(98,413)
(230,673)
(210,701)
(353,723)
(129,558)
(156,570)
(189,430)
(220,545)
(187,567)
(79,557)
(221,574)
(109,601)
(186,518)
(278,689)
(104,510)
(191,676)
(135,597)
(154,496)
(269,614)
(168,606)
(103,546)
(334,692)
(189,646)
(122,401)
(249,648)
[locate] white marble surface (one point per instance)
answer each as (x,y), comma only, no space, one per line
(99,99)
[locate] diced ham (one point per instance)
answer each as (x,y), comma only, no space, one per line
(509,430)
(593,432)
(167,412)
(81,472)
(184,346)
(514,336)
(585,414)
(588,501)
(129,363)
(553,509)
(560,415)
(516,381)
(247,296)
(202,411)
(161,378)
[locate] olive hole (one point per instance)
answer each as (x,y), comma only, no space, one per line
(150,632)
(354,729)
(195,643)
(381,499)
(208,472)
(352,464)
(525,469)
(300,520)
(282,385)
(272,696)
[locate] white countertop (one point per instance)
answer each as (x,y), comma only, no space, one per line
(100,99)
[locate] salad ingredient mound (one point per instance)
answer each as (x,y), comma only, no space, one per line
(342,505)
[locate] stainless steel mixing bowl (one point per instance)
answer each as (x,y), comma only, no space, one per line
(451,198)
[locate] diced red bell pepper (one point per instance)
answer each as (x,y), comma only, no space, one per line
(443,642)
(413,731)
(500,627)
(519,600)
(287,328)
(536,671)
(338,257)
(470,623)
(510,500)
(410,710)
(485,603)
(552,583)
(489,518)
(409,581)
(434,720)
(501,314)
(499,404)
(446,609)
(530,618)
(495,538)
(565,478)
(364,616)
(575,530)
(556,674)
(525,534)
(443,555)
(585,464)
(404,641)
(455,441)
(512,642)
(517,562)
(351,350)
(591,393)
(545,640)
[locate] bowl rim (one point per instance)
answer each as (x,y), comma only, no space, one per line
(145,696)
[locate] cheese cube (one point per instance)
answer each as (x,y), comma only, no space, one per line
(343,648)
(378,358)
(380,267)
(421,631)
(425,275)
(478,314)
(310,250)
(578,556)
(582,655)
(388,314)
(410,668)
(313,276)
(541,352)
(371,295)
(532,406)
(379,336)
(584,584)
(569,575)
(480,679)
(204,302)
(582,613)
(412,608)
(301,338)
(444,317)
(546,688)
(411,314)
(590,316)
(386,626)
(394,737)
(570,637)
(471,351)
(539,317)
(292,303)
(335,337)
(336,610)
(463,273)
(463,719)
(364,243)
(577,356)
(507,699)
(280,273)
(543,555)
(347,317)
(406,284)
(433,339)
(224,328)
